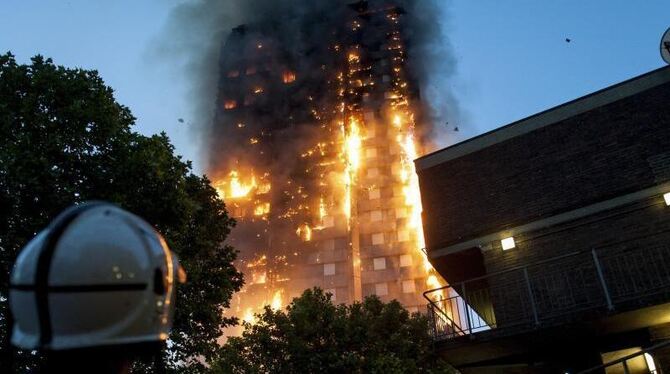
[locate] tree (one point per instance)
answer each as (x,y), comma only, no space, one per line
(315,336)
(65,140)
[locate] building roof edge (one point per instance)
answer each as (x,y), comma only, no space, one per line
(558,113)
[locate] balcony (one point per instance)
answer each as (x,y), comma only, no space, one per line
(622,286)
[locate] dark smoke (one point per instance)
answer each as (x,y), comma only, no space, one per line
(196,30)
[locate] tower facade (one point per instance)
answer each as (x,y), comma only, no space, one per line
(318,122)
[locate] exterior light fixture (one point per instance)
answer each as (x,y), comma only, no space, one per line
(647,357)
(666,197)
(508,243)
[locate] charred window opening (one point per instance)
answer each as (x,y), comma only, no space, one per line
(233,74)
(230,104)
(288,77)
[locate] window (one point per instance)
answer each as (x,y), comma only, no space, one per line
(230,104)
(371,153)
(328,269)
(405,261)
(412,309)
(379,263)
(288,77)
(373,172)
(386,78)
(333,292)
(376,215)
(378,238)
(251,70)
(395,169)
(381,289)
(403,235)
(328,221)
(370,132)
(374,194)
(329,245)
(401,213)
(408,286)
(233,74)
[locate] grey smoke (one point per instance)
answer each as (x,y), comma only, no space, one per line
(196,29)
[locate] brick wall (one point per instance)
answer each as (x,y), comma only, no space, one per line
(606,152)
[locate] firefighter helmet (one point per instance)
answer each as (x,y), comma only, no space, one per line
(96,276)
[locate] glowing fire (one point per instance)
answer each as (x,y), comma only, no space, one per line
(412,196)
(249,316)
(330,187)
(288,77)
(262,209)
(233,187)
(304,232)
(352,161)
(276,303)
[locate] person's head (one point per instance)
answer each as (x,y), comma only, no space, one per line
(98,277)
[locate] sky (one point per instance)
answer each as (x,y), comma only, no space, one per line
(512,56)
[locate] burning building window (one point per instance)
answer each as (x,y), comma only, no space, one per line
(258,278)
(230,104)
(288,77)
(304,232)
(379,263)
(262,209)
(374,194)
(233,74)
(371,153)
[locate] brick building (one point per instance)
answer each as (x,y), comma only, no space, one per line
(554,235)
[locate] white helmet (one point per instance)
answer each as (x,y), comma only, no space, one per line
(96,276)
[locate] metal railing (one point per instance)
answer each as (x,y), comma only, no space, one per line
(551,291)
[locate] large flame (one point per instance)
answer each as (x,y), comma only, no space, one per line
(352,161)
(233,187)
(412,195)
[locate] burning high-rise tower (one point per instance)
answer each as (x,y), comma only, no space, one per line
(318,121)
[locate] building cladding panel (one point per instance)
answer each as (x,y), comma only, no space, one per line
(274,98)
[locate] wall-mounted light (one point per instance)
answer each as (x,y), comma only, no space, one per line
(666,197)
(508,243)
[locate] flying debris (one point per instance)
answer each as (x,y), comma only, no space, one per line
(456,129)
(568,40)
(180,120)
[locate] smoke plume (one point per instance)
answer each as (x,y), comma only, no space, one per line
(197,29)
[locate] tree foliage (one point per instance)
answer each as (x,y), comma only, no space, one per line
(315,336)
(65,139)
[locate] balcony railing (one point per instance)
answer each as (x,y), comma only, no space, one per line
(576,286)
